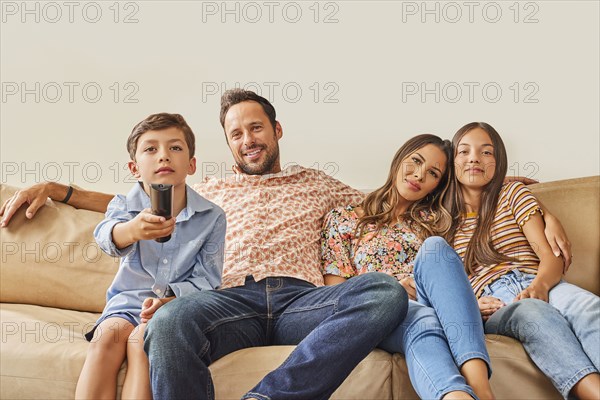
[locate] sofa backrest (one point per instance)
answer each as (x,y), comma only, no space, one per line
(53,259)
(576,203)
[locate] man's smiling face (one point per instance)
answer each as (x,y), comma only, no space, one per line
(253,141)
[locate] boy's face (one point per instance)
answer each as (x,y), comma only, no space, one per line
(162,157)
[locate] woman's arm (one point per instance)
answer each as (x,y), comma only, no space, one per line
(550,269)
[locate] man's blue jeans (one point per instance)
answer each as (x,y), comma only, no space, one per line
(562,337)
(443,328)
(335,327)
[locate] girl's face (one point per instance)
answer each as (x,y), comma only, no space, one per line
(420,173)
(474,162)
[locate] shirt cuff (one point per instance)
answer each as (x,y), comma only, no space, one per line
(106,242)
(192,285)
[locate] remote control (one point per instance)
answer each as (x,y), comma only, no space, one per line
(161,199)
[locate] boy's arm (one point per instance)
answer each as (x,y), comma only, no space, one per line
(209,262)
(37,195)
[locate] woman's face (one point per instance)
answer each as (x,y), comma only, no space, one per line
(474,162)
(420,173)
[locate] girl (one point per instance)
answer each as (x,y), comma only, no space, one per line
(499,233)
(442,336)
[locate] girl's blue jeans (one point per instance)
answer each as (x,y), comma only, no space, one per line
(562,337)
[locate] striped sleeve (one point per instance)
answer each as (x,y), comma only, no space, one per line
(522,202)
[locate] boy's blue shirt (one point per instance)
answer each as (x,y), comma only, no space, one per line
(191,260)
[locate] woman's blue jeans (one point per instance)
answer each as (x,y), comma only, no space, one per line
(562,337)
(335,327)
(443,328)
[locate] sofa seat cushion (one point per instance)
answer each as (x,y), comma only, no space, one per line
(238,372)
(43,350)
(514,375)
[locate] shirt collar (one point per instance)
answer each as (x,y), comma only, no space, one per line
(137,199)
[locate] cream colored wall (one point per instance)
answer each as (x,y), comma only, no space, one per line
(351,81)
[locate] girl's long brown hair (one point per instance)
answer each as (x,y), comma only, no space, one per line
(480,250)
(379,207)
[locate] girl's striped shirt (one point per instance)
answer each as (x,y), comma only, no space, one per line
(516,204)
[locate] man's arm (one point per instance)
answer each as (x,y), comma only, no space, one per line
(37,195)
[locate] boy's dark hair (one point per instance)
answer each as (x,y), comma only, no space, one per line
(157,122)
(234,96)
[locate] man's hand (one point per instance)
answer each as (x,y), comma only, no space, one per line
(151,305)
(35,196)
(558,240)
(410,286)
(536,290)
(488,305)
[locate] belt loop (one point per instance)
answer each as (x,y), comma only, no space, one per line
(517,273)
(486,290)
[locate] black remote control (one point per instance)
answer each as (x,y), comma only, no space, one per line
(161,199)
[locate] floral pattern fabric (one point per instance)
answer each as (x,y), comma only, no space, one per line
(391,250)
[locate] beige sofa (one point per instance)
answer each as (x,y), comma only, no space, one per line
(53,282)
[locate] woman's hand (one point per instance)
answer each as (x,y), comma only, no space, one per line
(488,305)
(410,286)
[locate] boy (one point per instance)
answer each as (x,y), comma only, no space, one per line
(162,151)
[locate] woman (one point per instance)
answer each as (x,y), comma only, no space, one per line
(442,336)
(499,233)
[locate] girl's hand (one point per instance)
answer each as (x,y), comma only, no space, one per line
(410,286)
(536,290)
(488,305)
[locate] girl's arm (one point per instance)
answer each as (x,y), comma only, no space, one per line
(557,237)
(550,269)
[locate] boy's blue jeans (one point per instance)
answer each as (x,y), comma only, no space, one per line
(443,328)
(562,337)
(335,327)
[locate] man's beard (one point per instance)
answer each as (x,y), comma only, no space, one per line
(265,167)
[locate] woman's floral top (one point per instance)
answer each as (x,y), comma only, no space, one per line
(391,250)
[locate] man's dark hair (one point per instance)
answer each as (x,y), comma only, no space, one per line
(234,96)
(157,122)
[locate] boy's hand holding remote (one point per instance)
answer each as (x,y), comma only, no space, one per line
(145,226)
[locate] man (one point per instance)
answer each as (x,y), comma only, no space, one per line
(272,289)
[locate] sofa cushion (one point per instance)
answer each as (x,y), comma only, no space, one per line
(575,203)
(53,259)
(43,350)
(238,372)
